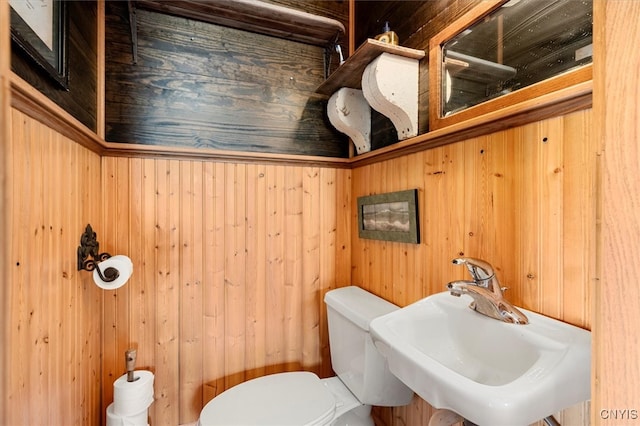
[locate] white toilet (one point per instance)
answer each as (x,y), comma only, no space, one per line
(302,398)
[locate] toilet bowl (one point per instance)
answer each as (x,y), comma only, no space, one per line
(302,398)
(284,399)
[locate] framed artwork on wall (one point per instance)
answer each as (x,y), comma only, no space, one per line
(390,217)
(39,32)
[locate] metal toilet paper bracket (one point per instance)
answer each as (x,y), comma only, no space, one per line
(130,361)
(89,247)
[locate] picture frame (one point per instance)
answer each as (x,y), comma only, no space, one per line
(39,33)
(391,216)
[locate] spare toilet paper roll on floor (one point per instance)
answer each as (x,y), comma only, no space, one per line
(139,419)
(123,264)
(131,398)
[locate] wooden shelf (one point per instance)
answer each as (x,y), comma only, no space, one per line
(255,16)
(349,74)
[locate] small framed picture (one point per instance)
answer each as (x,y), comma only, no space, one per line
(39,32)
(390,217)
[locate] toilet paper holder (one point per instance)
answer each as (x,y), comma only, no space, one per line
(130,361)
(89,247)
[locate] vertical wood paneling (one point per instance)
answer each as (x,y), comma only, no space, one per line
(136,293)
(341,274)
(52,213)
(578,229)
(231,262)
(524,199)
(616,378)
(234,278)
(190,309)
(256,272)
(6,170)
(311,188)
(551,280)
(527,249)
(146,336)
(266,241)
(114,345)
(167,325)
(275,271)
(215,302)
(54,319)
(294,236)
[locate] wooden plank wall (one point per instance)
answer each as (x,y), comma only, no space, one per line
(523,199)
(54,318)
(5,119)
(616,376)
(231,262)
(201,85)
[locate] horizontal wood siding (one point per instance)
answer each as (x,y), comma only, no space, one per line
(202,85)
(231,262)
(54,318)
(523,199)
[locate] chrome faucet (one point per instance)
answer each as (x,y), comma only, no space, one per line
(486,292)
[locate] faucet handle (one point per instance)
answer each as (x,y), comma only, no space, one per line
(479,269)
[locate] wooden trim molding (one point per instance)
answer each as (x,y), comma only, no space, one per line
(116,149)
(30,101)
(553,104)
(33,103)
(435,56)
(565,79)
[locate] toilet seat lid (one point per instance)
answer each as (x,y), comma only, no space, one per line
(284,399)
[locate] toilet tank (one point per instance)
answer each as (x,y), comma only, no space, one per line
(354,357)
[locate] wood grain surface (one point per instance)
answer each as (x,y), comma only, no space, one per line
(202,85)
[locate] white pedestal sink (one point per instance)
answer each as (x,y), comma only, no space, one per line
(490,372)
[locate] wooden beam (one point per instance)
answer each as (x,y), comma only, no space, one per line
(615,376)
(255,16)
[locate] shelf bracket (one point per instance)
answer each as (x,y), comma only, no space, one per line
(390,85)
(349,112)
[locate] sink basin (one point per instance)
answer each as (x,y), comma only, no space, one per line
(490,372)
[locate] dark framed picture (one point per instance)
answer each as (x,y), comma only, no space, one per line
(39,32)
(391,217)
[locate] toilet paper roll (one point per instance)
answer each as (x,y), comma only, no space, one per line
(131,398)
(443,417)
(122,263)
(139,419)
(112,418)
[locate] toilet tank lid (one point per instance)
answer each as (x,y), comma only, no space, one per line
(358,305)
(283,399)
